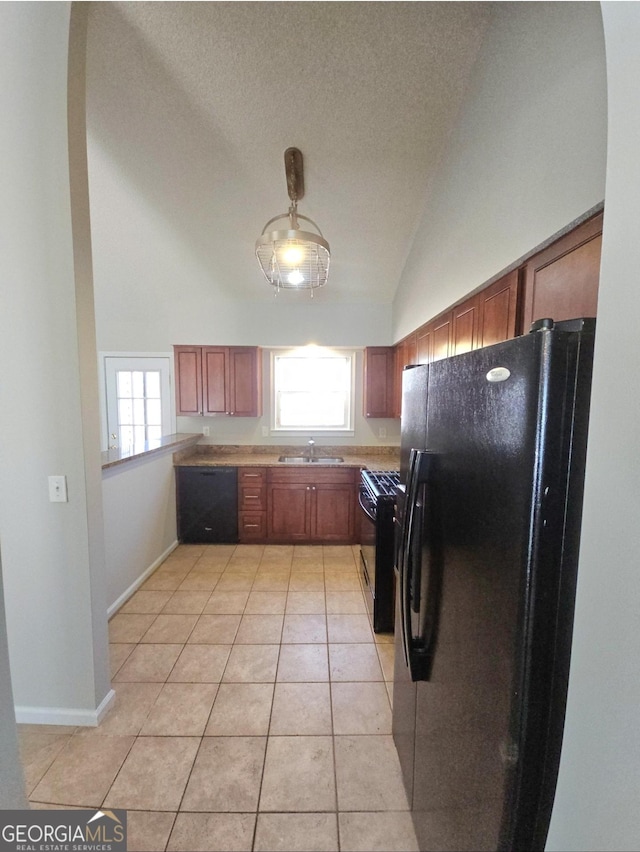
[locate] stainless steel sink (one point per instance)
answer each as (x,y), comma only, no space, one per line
(313,460)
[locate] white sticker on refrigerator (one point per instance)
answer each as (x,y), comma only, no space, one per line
(498,374)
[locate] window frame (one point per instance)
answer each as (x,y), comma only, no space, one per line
(319,352)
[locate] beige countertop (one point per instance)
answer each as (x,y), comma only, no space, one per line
(121,455)
(373,458)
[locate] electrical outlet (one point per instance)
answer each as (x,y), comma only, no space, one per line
(382,432)
(265,431)
(206,431)
(58,489)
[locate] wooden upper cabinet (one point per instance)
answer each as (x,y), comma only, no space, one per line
(465,326)
(499,310)
(188,375)
(434,339)
(218,380)
(424,344)
(406,353)
(245,381)
(215,379)
(561,281)
(379,377)
(442,332)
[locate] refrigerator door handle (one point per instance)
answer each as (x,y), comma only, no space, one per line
(417,605)
(404,558)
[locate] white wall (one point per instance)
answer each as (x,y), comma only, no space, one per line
(139,522)
(154,292)
(51,552)
(599,784)
(526,158)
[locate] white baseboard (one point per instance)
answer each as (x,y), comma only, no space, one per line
(65,715)
(124,597)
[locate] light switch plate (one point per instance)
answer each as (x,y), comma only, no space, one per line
(58,489)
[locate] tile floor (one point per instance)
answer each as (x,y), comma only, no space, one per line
(252,711)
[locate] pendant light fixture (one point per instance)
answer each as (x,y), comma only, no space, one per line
(292,259)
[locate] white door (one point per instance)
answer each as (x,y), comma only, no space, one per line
(138,392)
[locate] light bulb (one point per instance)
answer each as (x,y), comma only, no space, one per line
(292,255)
(295,277)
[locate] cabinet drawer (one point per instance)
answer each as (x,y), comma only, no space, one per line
(252,525)
(253,476)
(317,476)
(252,498)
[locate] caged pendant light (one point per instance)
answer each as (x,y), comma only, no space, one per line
(292,259)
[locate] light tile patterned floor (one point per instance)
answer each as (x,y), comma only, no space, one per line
(252,711)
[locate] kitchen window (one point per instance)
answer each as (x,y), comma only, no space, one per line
(138,400)
(313,390)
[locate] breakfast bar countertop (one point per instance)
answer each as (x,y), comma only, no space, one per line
(373,458)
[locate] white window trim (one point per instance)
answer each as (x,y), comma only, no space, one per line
(329,432)
(170,427)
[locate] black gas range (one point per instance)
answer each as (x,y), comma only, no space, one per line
(381,484)
(377,544)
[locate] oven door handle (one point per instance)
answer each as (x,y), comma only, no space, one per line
(366,509)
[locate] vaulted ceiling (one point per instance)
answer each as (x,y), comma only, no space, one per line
(195,103)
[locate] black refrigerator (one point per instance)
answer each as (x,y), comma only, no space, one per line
(493,446)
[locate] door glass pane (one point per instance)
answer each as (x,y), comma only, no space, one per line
(137,383)
(138,411)
(125,412)
(124,383)
(126,436)
(154,412)
(153,384)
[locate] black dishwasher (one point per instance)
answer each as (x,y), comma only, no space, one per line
(207,499)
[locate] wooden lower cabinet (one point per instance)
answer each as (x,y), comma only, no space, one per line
(311,505)
(252,504)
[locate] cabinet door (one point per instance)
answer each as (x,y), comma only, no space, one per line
(424,344)
(188,370)
(215,379)
(441,331)
(245,382)
(379,377)
(333,512)
(288,511)
(498,310)
(465,326)
(406,353)
(561,282)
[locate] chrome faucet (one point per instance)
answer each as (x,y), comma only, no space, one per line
(311,444)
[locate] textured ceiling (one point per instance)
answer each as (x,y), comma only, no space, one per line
(196,103)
